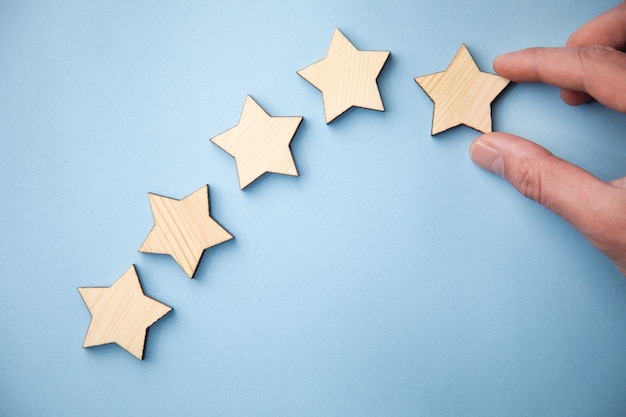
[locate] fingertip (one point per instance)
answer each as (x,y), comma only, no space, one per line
(496,139)
(487,156)
(494,151)
(482,140)
(574,98)
(577,38)
(502,61)
(519,66)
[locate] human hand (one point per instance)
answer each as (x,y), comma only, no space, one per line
(590,66)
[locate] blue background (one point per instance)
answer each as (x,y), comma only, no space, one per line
(393,277)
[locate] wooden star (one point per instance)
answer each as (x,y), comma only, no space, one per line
(260,143)
(121,313)
(347,77)
(183,229)
(462,94)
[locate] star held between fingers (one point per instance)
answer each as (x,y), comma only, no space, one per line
(121,313)
(347,77)
(462,94)
(260,143)
(183,229)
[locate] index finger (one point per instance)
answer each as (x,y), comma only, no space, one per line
(598,71)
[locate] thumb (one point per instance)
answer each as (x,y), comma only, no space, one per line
(597,209)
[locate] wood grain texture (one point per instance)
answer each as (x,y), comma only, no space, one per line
(260,143)
(121,313)
(462,94)
(183,229)
(347,77)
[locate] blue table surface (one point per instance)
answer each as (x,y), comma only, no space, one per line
(393,277)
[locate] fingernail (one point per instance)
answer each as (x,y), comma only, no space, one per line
(497,61)
(487,157)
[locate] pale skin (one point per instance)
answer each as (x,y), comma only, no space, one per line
(592,65)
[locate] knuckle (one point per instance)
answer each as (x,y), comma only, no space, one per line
(530,179)
(527,178)
(595,51)
(601,66)
(585,59)
(589,56)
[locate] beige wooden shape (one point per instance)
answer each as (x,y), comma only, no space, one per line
(347,77)
(462,94)
(260,143)
(183,229)
(121,313)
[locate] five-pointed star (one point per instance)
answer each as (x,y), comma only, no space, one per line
(462,94)
(183,229)
(121,313)
(346,77)
(260,143)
